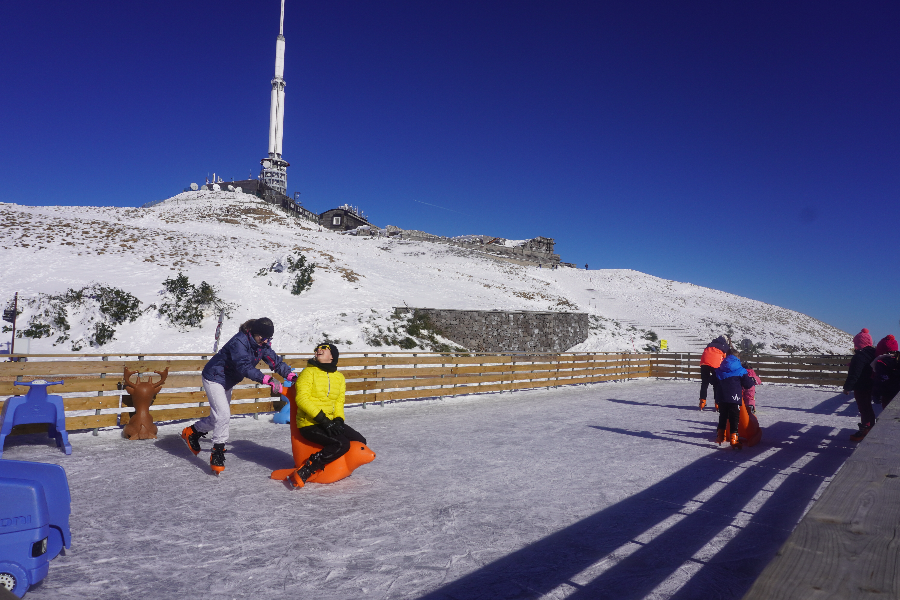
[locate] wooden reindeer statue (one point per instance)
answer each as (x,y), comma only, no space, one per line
(141,425)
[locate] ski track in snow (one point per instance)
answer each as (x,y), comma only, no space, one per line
(593,491)
(226,238)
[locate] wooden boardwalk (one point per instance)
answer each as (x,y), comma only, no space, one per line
(848,544)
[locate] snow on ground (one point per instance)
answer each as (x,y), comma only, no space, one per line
(227,238)
(608,490)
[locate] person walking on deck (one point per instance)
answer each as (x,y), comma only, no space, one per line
(859,381)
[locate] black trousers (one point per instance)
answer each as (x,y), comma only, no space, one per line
(708,376)
(864,404)
(729,414)
(332,447)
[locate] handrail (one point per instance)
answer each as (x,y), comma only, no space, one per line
(846,545)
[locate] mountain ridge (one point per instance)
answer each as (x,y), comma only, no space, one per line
(233,241)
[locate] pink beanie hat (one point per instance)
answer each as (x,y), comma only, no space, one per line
(887,344)
(862,339)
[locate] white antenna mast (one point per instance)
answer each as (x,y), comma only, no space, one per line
(274,167)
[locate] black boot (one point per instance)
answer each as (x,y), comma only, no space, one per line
(861,434)
(217,458)
(191,437)
(312,464)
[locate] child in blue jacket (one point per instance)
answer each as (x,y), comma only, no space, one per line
(733,380)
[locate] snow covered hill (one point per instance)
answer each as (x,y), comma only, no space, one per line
(243,248)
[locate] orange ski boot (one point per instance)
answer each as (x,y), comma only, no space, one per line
(217,458)
(720,436)
(736,441)
(192,437)
(702,403)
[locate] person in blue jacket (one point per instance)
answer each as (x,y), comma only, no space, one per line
(733,380)
(235,362)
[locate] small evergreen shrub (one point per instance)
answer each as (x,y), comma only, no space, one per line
(410,332)
(302,272)
(100,308)
(185,303)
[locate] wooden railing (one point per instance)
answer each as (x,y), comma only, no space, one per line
(846,545)
(92,396)
(801,370)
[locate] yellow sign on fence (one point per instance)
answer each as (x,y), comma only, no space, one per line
(663,345)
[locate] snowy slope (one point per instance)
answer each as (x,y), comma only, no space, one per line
(226,238)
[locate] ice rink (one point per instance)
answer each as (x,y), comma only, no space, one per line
(610,490)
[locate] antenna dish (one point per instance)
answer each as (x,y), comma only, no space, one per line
(266,164)
(194,187)
(216,187)
(238,189)
(230,188)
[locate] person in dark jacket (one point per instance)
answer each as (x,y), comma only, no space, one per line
(859,381)
(235,362)
(710,360)
(733,380)
(886,372)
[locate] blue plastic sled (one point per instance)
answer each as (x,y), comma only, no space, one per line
(36,407)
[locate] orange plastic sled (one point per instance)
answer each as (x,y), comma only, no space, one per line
(748,428)
(358,455)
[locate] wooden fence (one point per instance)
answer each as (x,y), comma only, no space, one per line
(93,398)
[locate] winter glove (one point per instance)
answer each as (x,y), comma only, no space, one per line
(272,383)
(292,377)
(332,428)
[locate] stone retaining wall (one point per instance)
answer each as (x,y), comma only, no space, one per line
(507,331)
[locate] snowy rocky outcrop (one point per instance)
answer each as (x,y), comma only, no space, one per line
(231,240)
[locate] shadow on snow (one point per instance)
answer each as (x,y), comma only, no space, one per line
(554,560)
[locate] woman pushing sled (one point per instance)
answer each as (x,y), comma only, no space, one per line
(236,361)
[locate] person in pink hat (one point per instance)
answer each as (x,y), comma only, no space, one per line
(886,372)
(887,344)
(859,381)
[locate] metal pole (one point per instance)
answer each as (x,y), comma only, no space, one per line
(219,330)
(12,346)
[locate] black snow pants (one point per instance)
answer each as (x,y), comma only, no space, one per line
(729,414)
(708,376)
(332,447)
(864,404)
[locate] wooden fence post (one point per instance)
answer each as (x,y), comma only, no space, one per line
(100,393)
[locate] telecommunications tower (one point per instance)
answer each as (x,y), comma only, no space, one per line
(274,167)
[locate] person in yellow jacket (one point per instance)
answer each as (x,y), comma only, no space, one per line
(320,410)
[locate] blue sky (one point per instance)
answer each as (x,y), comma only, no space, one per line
(748,147)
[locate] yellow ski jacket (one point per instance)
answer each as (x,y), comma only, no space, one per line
(319,391)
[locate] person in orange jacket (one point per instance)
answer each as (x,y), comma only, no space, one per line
(710,360)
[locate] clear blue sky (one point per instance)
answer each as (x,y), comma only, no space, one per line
(752,147)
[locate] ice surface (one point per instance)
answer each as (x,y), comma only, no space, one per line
(609,490)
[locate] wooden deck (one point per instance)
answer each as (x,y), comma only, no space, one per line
(848,544)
